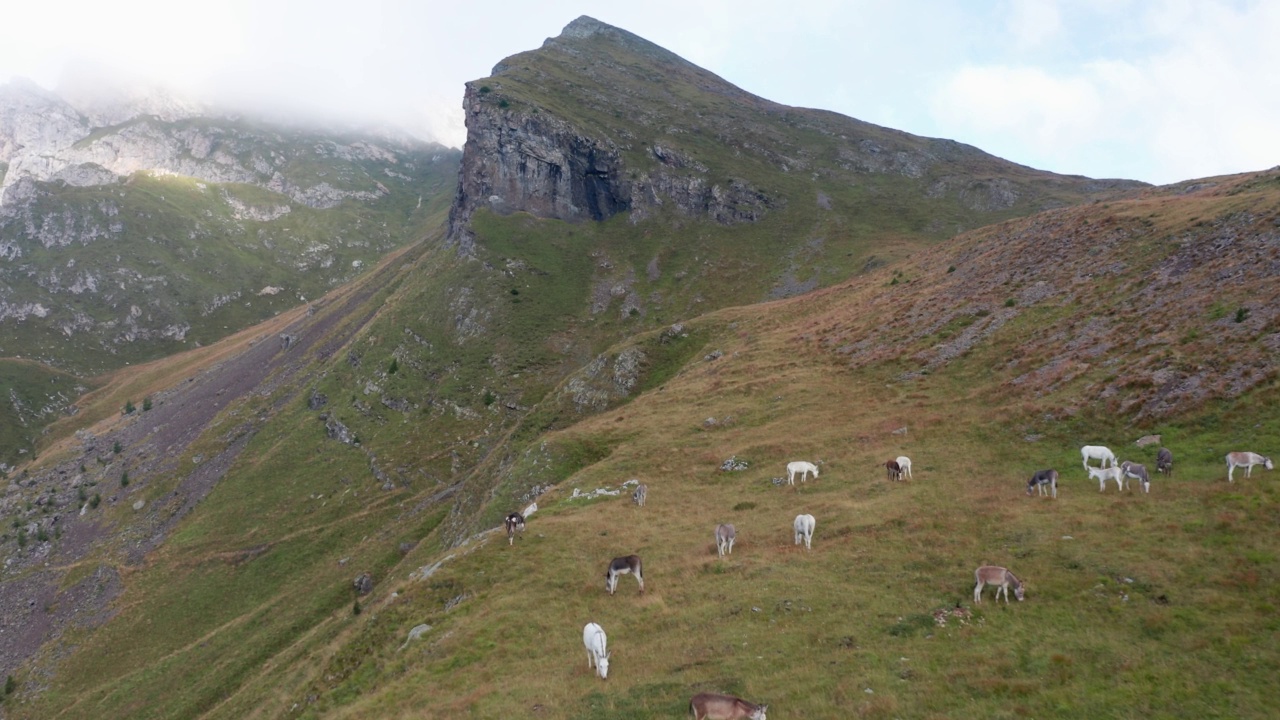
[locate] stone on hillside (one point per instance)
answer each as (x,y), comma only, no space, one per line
(363,584)
(1146,440)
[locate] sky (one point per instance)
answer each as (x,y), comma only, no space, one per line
(1153,90)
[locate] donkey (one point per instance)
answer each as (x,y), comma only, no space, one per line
(1102,475)
(1001,578)
(725,535)
(1137,472)
(802,469)
(803,526)
(594,639)
(1041,479)
(622,566)
(895,470)
(712,706)
(642,492)
(514,523)
(904,466)
(1164,461)
(1097,452)
(1246,460)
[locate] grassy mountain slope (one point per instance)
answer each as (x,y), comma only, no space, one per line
(1125,319)
(33,396)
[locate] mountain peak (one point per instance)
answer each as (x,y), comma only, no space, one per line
(586,28)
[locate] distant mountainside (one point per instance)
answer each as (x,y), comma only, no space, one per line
(622,289)
(126,242)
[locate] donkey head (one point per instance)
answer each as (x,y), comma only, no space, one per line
(602,663)
(1019,591)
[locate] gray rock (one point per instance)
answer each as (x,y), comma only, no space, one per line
(363,584)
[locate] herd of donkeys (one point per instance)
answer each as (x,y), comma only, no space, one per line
(713,706)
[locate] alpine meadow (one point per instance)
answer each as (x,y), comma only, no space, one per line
(262,457)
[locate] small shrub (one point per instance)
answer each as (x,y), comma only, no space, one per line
(951,269)
(633,312)
(485,89)
(82,494)
(515,291)
(10,685)
(116,448)
(128,407)
(745,506)
(894,281)
(1010,302)
(489,398)
(356,609)
(503,103)
(1242,314)
(124,479)
(22,538)
(394,367)
(146,403)
(93,502)
(42,535)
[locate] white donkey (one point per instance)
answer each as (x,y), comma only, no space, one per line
(1001,578)
(801,468)
(640,495)
(803,526)
(1246,460)
(597,652)
(904,466)
(725,535)
(1102,475)
(1097,452)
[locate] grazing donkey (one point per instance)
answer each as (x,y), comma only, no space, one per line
(895,470)
(1137,472)
(1102,475)
(1001,578)
(725,535)
(1097,452)
(712,706)
(802,469)
(1041,479)
(642,492)
(514,523)
(904,466)
(1164,461)
(1246,460)
(597,653)
(803,526)
(623,566)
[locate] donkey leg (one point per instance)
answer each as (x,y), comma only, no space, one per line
(977,592)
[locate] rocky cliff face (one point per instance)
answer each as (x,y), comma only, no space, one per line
(515,160)
(43,139)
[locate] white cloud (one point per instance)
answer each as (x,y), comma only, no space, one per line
(1196,102)
(1032,23)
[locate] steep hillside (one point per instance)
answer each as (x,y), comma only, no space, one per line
(123,243)
(982,374)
